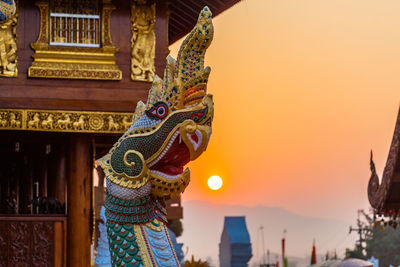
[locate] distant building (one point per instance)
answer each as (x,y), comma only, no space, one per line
(235,247)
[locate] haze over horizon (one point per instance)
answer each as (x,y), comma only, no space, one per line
(203,225)
(303,90)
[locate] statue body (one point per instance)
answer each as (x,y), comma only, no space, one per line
(146,165)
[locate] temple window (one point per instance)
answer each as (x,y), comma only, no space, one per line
(75,23)
(71,33)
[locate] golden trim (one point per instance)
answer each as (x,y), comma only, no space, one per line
(61,62)
(154,228)
(170,243)
(122,179)
(131,164)
(64,121)
(162,187)
(142,176)
(145,252)
(105,22)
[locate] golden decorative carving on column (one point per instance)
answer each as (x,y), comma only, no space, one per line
(143,41)
(105,21)
(8,48)
(74,62)
(65,121)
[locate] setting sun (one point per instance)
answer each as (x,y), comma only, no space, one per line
(214,182)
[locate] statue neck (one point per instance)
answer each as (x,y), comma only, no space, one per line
(140,210)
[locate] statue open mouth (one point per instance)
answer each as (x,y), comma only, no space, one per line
(170,164)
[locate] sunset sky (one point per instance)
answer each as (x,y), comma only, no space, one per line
(303,90)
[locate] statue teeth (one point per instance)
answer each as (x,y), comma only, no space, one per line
(166,149)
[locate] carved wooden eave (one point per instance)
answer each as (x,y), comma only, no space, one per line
(183,14)
(385,196)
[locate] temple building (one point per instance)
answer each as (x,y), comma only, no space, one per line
(71,73)
(385,196)
(235,247)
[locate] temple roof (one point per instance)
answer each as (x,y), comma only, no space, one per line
(385,196)
(184,15)
(237,230)
(235,247)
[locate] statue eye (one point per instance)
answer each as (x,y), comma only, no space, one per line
(159,111)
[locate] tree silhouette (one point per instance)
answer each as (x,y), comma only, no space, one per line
(381,240)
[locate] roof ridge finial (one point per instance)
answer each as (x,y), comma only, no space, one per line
(372,164)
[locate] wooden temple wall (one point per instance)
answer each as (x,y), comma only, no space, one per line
(27,241)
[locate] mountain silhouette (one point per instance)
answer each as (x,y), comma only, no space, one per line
(203,223)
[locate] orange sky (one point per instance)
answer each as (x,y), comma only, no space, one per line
(303,90)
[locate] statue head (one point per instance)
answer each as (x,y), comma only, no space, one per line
(173,127)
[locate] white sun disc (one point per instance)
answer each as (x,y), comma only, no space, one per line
(214,182)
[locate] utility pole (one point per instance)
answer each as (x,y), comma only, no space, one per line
(263,250)
(268,264)
(263,245)
(361,231)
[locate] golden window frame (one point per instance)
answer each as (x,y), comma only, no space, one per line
(72,62)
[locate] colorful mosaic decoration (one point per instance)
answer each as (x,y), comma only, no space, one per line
(146,165)
(8,9)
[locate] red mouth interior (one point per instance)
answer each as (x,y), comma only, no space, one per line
(172,163)
(194,137)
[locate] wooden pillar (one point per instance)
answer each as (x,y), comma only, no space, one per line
(61,161)
(79,201)
(161,30)
(99,196)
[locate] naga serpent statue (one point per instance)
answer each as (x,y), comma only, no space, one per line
(146,165)
(7,10)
